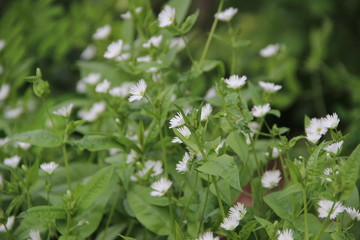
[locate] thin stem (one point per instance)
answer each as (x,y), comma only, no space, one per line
(218,196)
(325,223)
(191,196)
(63,147)
(113,207)
(305,215)
(203,210)
(188,50)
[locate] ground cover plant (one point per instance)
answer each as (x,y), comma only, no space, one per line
(159,142)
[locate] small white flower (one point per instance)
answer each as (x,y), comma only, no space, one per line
(313,137)
(226,15)
(126,15)
(155,167)
(178,43)
(93,113)
(123,57)
(271,179)
(185,131)
(287,234)
(131,157)
(81,87)
(144,59)
(254,126)
(208,236)
(49,168)
(221,144)
(353,213)
(92,78)
(103,87)
(153,42)
(138,9)
(152,70)
(35,235)
(316,126)
(166,17)
(88,53)
(12,161)
(269,87)
(177,121)
(325,207)
(182,166)
(2,44)
(235,81)
(176,140)
(64,111)
(137,91)
(237,211)
(269,50)
(113,151)
(211,93)
(4,92)
(334,148)
(160,187)
(23,145)
(230,223)
(331,121)
(260,110)
(275,152)
(328,172)
(12,113)
(9,224)
(205,111)
(4,141)
(102,33)
(114,49)
(121,91)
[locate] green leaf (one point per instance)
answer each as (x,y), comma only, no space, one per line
(237,143)
(275,112)
(349,172)
(165,100)
(247,229)
(127,238)
(32,175)
(49,212)
(269,227)
(97,142)
(313,168)
(127,142)
(189,22)
(224,167)
(181,8)
(40,137)
(90,192)
(41,88)
(294,172)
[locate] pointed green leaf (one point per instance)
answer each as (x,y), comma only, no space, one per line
(237,143)
(40,137)
(350,173)
(49,212)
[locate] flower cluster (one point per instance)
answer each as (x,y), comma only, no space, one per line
(319,126)
(236,213)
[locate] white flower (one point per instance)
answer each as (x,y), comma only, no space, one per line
(166,17)
(254,126)
(123,57)
(102,33)
(334,148)
(313,137)
(269,87)
(12,113)
(287,234)
(113,151)
(92,78)
(138,9)
(4,141)
(35,235)
(260,110)
(144,59)
(9,224)
(316,127)
(88,53)
(177,121)
(178,43)
(237,211)
(12,161)
(114,49)
(184,131)
(221,144)
(205,111)
(182,166)
(208,236)
(269,50)
(126,15)
(4,92)
(153,41)
(121,91)
(137,91)
(331,121)
(210,93)
(154,167)
(131,157)
(230,223)
(176,140)
(328,172)
(81,87)
(235,81)
(275,152)
(226,15)
(2,44)
(49,168)
(64,111)
(103,87)
(160,187)
(354,214)
(93,113)
(327,207)
(271,179)
(23,145)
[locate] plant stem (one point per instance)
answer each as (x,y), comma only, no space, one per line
(188,50)
(191,196)
(203,210)
(111,213)
(305,215)
(325,223)
(218,196)
(66,166)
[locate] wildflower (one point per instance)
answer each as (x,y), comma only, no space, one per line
(160,187)
(9,224)
(4,141)
(334,148)
(88,53)
(177,121)
(137,91)
(328,172)
(182,166)
(269,87)
(221,144)
(103,87)
(122,90)
(144,59)
(154,166)
(353,213)
(287,234)
(138,9)
(2,44)
(237,211)
(114,49)
(49,168)
(230,223)
(131,157)
(316,126)
(166,17)
(328,207)
(92,78)
(260,110)
(184,131)
(12,113)
(126,15)
(23,145)
(153,41)
(64,111)
(331,121)
(123,57)
(208,236)
(205,111)
(211,93)
(102,33)
(226,15)
(271,179)
(93,113)
(35,235)
(270,50)
(176,140)
(254,127)
(81,87)
(4,92)
(178,43)
(12,161)
(235,81)
(313,137)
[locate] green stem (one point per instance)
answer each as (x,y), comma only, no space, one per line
(63,147)
(191,196)
(218,197)
(113,207)
(305,215)
(188,50)
(325,223)
(203,210)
